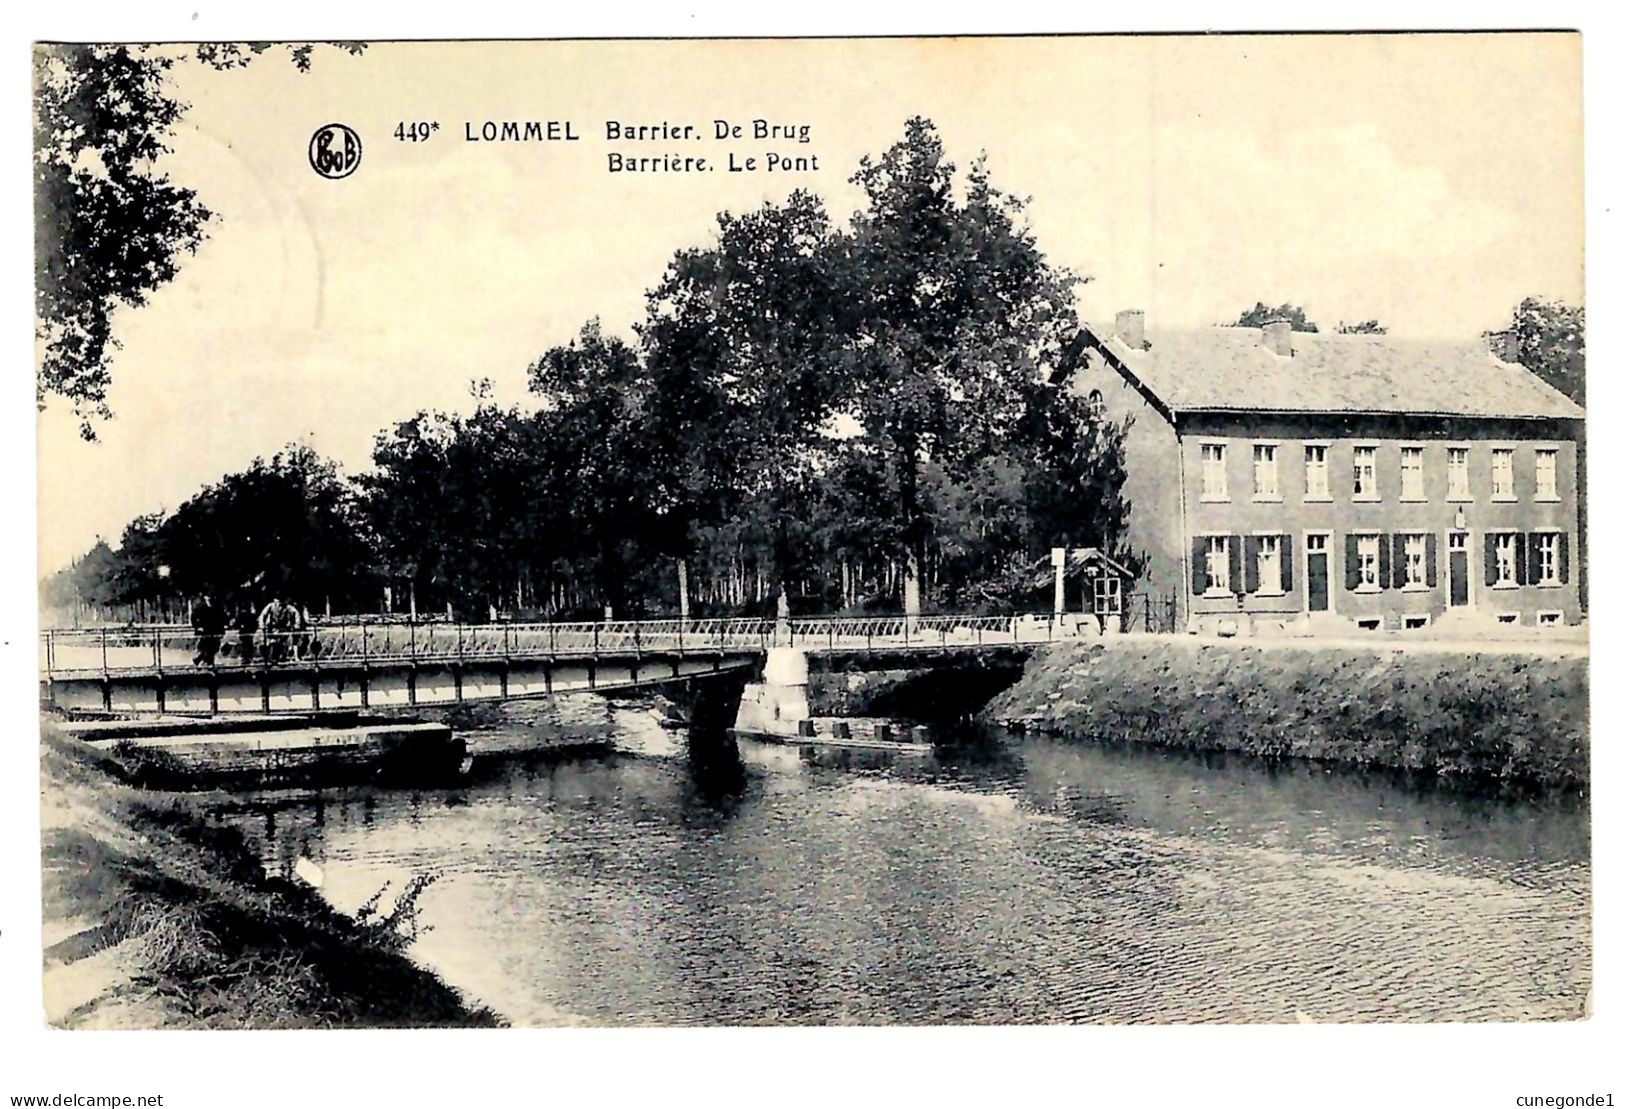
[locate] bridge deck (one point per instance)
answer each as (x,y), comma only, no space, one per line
(169,649)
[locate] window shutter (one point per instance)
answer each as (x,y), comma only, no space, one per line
(1433,559)
(1235,564)
(1492,568)
(1520,558)
(1563,557)
(1198,565)
(1385,565)
(1249,566)
(1286,563)
(1351,566)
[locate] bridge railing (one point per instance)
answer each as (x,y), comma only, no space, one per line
(163,648)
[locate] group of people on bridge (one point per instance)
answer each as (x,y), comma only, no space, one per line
(281,629)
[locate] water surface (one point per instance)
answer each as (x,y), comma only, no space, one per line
(1006,880)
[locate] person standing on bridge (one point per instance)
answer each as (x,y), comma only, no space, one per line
(301,637)
(247,624)
(276,626)
(209,622)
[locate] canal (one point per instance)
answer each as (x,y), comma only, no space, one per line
(1005,880)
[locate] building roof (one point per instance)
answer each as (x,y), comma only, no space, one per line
(1042,571)
(1228,369)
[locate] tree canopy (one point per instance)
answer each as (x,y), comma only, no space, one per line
(809,409)
(1260,314)
(1548,338)
(110,227)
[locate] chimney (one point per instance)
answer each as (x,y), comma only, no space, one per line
(1503,344)
(1131,328)
(1278,338)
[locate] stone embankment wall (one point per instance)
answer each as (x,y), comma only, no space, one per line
(1454,714)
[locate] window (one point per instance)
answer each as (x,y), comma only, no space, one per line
(1269,564)
(1217,554)
(1506,617)
(1214,487)
(1097,404)
(1417,621)
(1546,475)
(1460,489)
(1546,572)
(1410,474)
(1370,624)
(1366,555)
(1365,473)
(1506,559)
(1501,476)
(1108,595)
(1316,486)
(1415,551)
(1549,619)
(1265,485)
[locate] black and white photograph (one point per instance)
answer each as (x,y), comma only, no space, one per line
(1042,530)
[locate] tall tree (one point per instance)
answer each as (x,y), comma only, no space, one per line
(746,361)
(598,387)
(954,307)
(286,525)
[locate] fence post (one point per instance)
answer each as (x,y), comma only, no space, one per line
(595,629)
(552,636)
(412,638)
(104,652)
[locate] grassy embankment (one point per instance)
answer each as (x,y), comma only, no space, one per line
(156,919)
(1516,720)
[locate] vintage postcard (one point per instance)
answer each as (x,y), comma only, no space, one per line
(997,531)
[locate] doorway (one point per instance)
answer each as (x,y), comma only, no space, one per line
(1317,570)
(1458,569)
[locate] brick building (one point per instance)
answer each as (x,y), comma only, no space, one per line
(1327,481)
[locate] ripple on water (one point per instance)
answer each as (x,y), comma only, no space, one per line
(1041,882)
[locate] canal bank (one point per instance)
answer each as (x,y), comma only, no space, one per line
(157,918)
(1511,718)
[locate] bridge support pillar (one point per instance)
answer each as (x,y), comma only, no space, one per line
(713,755)
(778,703)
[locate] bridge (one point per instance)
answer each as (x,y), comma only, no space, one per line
(379,662)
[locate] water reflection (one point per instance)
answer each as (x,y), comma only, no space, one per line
(1002,879)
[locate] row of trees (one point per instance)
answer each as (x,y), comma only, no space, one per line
(841,414)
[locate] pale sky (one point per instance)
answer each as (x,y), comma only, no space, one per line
(1431,182)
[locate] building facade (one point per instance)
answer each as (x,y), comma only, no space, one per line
(1281,480)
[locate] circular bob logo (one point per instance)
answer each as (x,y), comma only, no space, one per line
(335,151)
